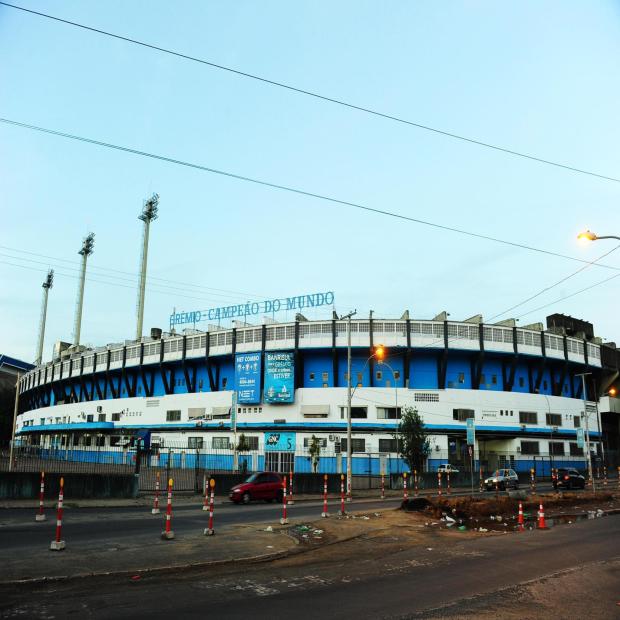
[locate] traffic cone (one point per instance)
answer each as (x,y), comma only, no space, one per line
(541,518)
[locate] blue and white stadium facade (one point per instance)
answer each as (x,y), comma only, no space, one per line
(281,383)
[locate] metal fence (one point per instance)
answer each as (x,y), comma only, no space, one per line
(190,466)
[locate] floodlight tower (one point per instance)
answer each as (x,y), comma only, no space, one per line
(87,249)
(47,285)
(149,213)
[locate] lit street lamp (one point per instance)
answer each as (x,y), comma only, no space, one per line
(590,236)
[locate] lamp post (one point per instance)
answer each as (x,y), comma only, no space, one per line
(349,397)
(585,415)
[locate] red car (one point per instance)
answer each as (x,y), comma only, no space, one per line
(262,485)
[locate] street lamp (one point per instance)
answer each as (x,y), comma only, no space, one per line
(590,236)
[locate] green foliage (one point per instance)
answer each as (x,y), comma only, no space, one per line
(412,439)
(243,444)
(315,453)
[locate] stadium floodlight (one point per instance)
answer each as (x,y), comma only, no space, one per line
(149,213)
(88,245)
(47,285)
(590,236)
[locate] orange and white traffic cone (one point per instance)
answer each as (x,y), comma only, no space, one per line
(541,518)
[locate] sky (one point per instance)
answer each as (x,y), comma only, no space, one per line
(541,78)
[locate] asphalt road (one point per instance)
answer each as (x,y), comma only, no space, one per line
(88,527)
(358,581)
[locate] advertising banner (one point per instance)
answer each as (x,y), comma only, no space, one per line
(580,438)
(471,432)
(247,378)
(279,377)
(279,442)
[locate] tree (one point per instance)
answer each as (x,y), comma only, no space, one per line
(243,445)
(412,439)
(315,453)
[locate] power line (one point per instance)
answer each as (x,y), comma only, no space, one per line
(316,95)
(293,190)
(91,279)
(209,290)
(548,288)
(583,290)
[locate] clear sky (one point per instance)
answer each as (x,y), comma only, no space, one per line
(542,78)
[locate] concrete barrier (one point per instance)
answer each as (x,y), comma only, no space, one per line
(26,485)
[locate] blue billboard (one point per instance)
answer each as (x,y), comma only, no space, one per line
(247,377)
(279,377)
(280,442)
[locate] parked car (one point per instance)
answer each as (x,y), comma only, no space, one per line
(569,478)
(447,468)
(263,485)
(503,478)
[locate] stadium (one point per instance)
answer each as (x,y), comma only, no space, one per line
(280,384)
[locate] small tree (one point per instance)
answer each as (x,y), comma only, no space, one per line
(315,453)
(412,439)
(243,446)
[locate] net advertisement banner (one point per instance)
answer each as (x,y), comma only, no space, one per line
(279,377)
(247,378)
(471,432)
(279,442)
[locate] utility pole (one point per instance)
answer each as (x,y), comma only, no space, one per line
(349,397)
(14,422)
(148,214)
(87,249)
(583,376)
(47,285)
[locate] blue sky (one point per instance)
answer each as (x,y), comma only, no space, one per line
(537,77)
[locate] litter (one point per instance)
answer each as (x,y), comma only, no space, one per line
(482,529)
(269,529)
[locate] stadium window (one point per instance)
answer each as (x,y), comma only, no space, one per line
(42,421)
(220,443)
(173,416)
(575,450)
(396,375)
(388,445)
(388,413)
(528,417)
(325,377)
(252,443)
(100,441)
(556,448)
(311,376)
(321,441)
(224,382)
(87,440)
(462,415)
(357,445)
(521,382)
(494,379)
(76,440)
(195,443)
(530,447)
(379,375)
(553,419)
(101,417)
(359,379)
(461,377)
(89,418)
(356,412)
(577,421)
(116,417)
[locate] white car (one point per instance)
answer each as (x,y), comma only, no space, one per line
(446,468)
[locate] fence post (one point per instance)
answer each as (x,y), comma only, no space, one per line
(41,515)
(168,534)
(325,513)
